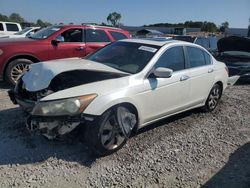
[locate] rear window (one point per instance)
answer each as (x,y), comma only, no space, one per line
(11,27)
(213,43)
(196,57)
(1,27)
(93,35)
(117,36)
(207,58)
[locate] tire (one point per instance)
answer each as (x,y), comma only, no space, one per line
(104,135)
(15,68)
(213,98)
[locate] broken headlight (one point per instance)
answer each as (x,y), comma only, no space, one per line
(69,106)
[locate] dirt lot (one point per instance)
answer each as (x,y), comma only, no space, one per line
(189,150)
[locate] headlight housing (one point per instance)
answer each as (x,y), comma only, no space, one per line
(69,106)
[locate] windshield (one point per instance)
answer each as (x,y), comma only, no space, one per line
(125,56)
(45,32)
(23,31)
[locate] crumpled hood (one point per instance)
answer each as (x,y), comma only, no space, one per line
(40,74)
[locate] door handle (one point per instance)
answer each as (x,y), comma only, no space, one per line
(184,77)
(210,70)
(79,48)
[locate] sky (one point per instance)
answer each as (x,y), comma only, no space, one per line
(134,12)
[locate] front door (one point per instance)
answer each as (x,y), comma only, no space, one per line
(70,44)
(165,96)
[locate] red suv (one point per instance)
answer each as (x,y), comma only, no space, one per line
(53,42)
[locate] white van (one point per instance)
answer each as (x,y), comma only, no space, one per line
(9,28)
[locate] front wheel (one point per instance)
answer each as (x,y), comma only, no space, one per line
(15,69)
(213,98)
(105,136)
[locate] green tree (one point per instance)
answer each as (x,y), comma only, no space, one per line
(113,18)
(224,26)
(15,17)
(40,23)
(4,18)
(209,27)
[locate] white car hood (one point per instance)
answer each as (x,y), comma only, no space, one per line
(40,74)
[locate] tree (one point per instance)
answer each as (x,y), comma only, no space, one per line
(4,18)
(113,18)
(209,27)
(40,23)
(15,17)
(224,26)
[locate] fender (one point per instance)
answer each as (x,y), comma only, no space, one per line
(16,57)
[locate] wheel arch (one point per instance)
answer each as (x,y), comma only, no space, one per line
(97,109)
(133,109)
(220,84)
(30,57)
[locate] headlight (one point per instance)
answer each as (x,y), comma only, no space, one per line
(1,52)
(70,106)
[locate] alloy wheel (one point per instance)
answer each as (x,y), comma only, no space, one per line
(112,136)
(17,70)
(214,97)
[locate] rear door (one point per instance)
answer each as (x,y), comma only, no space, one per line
(95,39)
(201,74)
(71,44)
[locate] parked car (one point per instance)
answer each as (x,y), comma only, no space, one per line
(53,42)
(9,28)
(28,31)
(119,89)
(235,53)
(209,43)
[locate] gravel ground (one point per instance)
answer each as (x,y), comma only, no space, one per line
(192,149)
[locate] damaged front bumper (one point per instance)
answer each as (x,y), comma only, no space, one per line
(51,127)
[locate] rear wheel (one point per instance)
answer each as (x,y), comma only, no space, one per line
(15,69)
(105,135)
(213,98)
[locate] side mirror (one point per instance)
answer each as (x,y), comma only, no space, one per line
(57,40)
(162,72)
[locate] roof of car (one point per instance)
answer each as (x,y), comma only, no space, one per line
(89,25)
(152,41)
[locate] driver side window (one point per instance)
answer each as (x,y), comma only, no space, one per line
(172,58)
(71,35)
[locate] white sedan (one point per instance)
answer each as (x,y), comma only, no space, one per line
(119,89)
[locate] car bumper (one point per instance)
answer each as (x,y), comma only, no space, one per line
(49,126)
(52,127)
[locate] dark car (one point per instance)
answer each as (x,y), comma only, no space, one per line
(209,42)
(55,42)
(235,53)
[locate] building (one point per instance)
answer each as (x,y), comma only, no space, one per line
(240,32)
(165,30)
